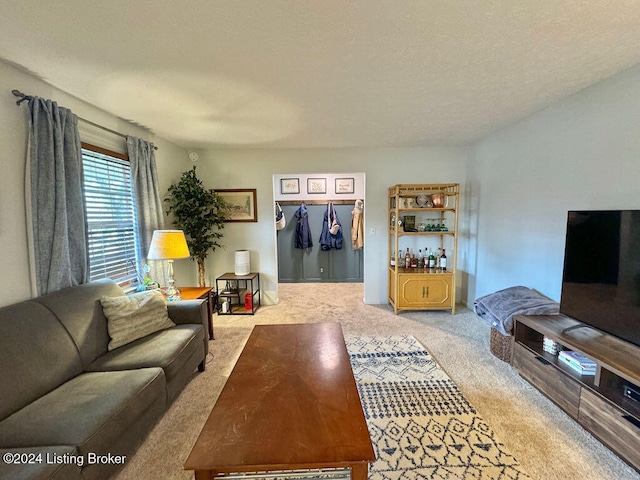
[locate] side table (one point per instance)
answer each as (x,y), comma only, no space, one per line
(243,289)
(196,293)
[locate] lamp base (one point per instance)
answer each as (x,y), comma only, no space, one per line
(171,292)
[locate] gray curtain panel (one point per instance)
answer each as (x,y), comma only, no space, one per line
(57,202)
(144,177)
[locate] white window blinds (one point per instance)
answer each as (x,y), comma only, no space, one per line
(111,217)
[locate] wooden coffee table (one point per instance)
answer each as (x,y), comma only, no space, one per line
(291,403)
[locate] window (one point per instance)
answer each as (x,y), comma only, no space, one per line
(111,217)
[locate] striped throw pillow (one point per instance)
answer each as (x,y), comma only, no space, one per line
(130,317)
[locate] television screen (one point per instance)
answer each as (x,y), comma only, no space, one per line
(601,279)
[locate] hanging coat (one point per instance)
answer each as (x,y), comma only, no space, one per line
(329,240)
(303,232)
(357,225)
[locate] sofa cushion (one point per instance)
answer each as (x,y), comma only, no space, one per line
(169,349)
(91,411)
(161,349)
(37,355)
(130,317)
(78,308)
(44,463)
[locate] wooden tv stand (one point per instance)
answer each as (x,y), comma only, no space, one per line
(597,402)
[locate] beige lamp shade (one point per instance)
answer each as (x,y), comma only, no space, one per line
(168,245)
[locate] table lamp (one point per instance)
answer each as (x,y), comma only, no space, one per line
(169,245)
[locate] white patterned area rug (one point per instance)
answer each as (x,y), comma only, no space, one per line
(420,424)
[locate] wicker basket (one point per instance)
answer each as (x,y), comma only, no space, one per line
(501,346)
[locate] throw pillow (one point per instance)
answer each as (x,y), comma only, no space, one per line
(130,317)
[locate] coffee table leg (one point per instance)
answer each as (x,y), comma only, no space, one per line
(204,475)
(359,471)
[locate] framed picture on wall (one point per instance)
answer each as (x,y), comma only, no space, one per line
(289,185)
(344,185)
(316,185)
(243,204)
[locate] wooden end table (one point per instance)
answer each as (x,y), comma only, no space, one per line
(291,403)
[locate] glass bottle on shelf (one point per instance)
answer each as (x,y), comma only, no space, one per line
(407,259)
(432,259)
(443,260)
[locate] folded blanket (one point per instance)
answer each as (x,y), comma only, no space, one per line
(498,308)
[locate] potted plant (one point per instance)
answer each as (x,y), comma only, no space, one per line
(200,213)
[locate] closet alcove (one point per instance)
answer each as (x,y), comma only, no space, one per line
(314,265)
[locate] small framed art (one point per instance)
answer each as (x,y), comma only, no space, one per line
(316,185)
(242,204)
(344,185)
(289,185)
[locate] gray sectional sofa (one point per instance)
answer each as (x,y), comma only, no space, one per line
(71,409)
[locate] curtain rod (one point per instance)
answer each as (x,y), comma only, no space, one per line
(24,97)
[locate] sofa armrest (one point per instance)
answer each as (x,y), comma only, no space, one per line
(189,311)
(192,311)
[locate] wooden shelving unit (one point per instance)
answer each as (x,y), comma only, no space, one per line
(597,401)
(422,288)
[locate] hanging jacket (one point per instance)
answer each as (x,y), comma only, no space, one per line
(303,232)
(327,239)
(357,225)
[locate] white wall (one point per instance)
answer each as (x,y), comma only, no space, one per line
(382,167)
(218,169)
(15,283)
(581,153)
(517,185)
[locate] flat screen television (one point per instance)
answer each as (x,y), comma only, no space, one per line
(601,278)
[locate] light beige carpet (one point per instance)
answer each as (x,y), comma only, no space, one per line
(547,443)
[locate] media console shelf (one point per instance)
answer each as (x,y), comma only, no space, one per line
(598,401)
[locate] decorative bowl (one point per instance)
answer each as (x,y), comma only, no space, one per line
(439,200)
(421,200)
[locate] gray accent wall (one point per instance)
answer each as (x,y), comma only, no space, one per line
(314,265)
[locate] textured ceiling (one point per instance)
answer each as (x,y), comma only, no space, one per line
(321,73)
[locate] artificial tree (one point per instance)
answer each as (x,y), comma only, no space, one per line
(200,213)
